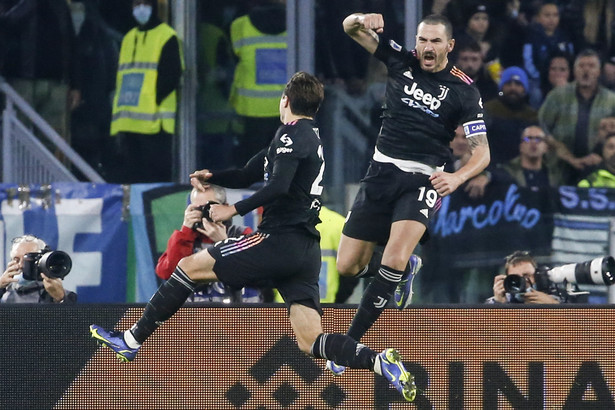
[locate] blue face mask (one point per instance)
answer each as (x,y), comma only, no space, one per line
(142,13)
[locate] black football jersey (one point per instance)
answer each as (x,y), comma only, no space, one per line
(295,146)
(422,109)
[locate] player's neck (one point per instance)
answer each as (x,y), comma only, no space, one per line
(290,117)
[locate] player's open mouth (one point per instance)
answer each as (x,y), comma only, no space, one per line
(429,58)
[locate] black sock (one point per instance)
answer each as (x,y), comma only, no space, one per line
(344,351)
(167,300)
(374,300)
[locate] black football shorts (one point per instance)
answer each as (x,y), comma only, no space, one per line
(388,194)
(288,261)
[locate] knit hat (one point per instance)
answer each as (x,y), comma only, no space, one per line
(478,8)
(514,74)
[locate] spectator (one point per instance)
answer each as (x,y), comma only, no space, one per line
(259,42)
(604,177)
(470,61)
(478,29)
(544,39)
(507,115)
(215,114)
(40,61)
(608,73)
(97,50)
(198,233)
(559,73)
(606,127)
(571,115)
(591,24)
(145,103)
(15,289)
(529,169)
(522,264)
(513,28)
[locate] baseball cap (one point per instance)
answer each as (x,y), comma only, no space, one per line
(514,73)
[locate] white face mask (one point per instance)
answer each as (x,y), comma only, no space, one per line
(142,13)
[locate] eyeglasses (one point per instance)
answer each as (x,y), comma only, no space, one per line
(535,138)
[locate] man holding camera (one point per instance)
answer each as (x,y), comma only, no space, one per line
(523,265)
(197,233)
(14,288)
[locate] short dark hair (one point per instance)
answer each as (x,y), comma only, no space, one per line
(305,93)
(439,19)
(469,45)
(588,52)
(518,257)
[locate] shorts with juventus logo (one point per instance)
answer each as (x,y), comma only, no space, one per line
(288,261)
(388,194)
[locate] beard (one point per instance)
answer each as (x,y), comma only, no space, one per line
(513,99)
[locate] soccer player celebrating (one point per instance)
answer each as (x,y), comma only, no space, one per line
(426,98)
(283,253)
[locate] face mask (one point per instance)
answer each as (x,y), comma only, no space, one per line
(78,19)
(142,13)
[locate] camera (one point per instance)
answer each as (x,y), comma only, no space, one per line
(54,264)
(204,213)
(516,286)
(598,271)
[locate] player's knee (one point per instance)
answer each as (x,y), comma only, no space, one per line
(186,266)
(347,269)
(305,346)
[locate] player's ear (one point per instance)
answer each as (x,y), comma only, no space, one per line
(451,44)
(284,101)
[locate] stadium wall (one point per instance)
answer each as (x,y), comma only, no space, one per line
(221,357)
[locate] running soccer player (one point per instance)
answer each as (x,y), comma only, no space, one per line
(426,98)
(283,253)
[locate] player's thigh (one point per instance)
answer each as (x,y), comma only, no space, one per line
(306,324)
(353,254)
(404,237)
(199,266)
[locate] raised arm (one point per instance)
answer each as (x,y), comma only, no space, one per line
(364,29)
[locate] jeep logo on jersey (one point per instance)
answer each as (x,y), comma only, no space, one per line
(286,140)
(430,103)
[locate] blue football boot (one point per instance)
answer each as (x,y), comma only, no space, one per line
(114,341)
(392,368)
(334,368)
(403,292)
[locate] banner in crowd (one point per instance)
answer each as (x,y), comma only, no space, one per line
(477,232)
(115,234)
(82,219)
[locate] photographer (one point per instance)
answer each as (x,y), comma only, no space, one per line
(14,288)
(522,264)
(197,232)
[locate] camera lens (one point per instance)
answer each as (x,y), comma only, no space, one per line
(56,264)
(515,284)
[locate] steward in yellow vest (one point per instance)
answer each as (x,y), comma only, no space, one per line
(259,42)
(149,71)
(145,103)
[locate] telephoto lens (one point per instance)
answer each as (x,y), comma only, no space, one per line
(599,271)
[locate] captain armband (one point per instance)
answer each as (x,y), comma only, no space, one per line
(474,128)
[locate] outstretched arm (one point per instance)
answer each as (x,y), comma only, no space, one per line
(446,183)
(364,29)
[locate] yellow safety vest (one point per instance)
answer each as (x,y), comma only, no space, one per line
(260,75)
(134,104)
(330,233)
